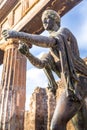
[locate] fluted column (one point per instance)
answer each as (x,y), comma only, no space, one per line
(13,85)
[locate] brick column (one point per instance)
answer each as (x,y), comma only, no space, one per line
(13,89)
(51,103)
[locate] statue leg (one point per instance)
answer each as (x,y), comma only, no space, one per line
(80,119)
(84,109)
(65,110)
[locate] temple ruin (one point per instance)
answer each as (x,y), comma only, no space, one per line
(24,15)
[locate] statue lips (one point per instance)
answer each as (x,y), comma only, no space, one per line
(48,26)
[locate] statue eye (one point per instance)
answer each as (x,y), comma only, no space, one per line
(52,15)
(44,20)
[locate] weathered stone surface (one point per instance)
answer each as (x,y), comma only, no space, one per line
(42,105)
(12,90)
(85,59)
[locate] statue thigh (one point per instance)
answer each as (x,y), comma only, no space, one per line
(80,119)
(65,110)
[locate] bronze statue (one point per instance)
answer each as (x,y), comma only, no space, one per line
(63,58)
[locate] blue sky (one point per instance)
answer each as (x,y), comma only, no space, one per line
(76,21)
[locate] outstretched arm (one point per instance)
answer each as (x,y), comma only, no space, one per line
(24,49)
(43,63)
(37,40)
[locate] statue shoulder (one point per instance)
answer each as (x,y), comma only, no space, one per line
(68,34)
(64,31)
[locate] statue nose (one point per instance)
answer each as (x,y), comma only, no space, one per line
(46,20)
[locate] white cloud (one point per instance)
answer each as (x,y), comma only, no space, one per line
(82,32)
(35,78)
(82,38)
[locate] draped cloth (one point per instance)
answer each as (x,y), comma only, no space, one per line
(71,64)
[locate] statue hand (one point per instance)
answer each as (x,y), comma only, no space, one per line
(52,88)
(6,34)
(23,48)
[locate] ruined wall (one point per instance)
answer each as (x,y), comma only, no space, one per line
(42,105)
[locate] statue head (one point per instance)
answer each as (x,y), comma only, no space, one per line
(51,20)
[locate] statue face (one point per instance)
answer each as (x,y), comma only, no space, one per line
(50,20)
(48,23)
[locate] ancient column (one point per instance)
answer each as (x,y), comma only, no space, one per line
(13,88)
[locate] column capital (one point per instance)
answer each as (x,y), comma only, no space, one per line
(10,43)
